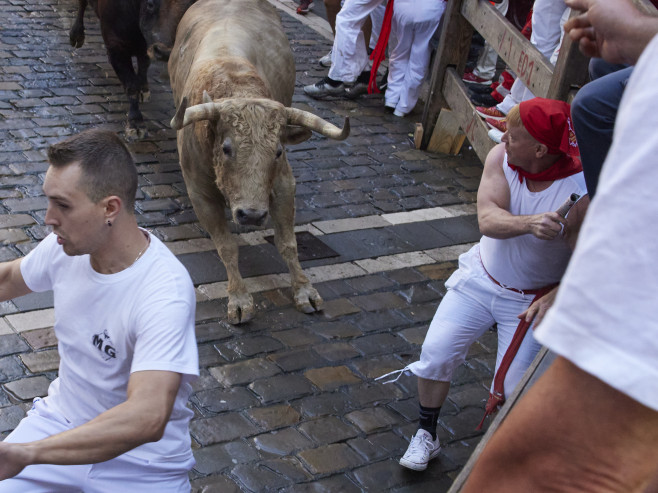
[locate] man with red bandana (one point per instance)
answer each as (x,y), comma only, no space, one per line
(510,278)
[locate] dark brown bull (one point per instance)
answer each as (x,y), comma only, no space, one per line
(232,63)
(128,28)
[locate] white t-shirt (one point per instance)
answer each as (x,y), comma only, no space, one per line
(110,325)
(605,317)
(527,262)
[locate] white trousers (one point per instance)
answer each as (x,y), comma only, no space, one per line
(413,25)
(471,306)
(486,64)
(121,474)
(349,56)
(548,18)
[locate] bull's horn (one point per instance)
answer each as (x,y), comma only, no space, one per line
(177,120)
(197,113)
(314,122)
(211,110)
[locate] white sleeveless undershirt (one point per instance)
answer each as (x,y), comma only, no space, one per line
(526,262)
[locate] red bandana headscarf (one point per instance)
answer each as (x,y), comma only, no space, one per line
(549,123)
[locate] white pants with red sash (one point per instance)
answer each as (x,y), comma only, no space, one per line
(471,306)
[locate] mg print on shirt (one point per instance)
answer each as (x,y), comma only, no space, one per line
(104,344)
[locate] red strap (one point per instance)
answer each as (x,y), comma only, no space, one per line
(379,53)
(497,397)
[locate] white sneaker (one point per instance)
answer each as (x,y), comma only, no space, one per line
(325,61)
(421,450)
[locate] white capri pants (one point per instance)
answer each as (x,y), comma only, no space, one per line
(472,305)
(121,474)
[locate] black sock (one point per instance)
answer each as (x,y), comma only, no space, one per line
(364,77)
(332,82)
(428,418)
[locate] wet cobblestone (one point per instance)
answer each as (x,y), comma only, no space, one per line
(287,402)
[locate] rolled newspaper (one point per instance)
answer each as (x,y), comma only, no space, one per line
(563,210)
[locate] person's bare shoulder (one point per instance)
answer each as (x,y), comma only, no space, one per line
(495,157)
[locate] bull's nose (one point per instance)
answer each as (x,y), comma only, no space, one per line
(252,217)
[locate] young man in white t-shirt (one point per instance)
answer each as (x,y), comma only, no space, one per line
(116,418)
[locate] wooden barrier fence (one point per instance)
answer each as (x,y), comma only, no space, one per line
(449,116)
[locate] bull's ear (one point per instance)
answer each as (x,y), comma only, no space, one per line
(293,134)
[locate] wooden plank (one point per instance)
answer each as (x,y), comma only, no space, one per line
(418,135)
(529,65)
(472,124)
(446,130)
(454,45)
(458,143)
(571,69)
(539,365)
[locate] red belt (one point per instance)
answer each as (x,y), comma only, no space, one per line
(521,291)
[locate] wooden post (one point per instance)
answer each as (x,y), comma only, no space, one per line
(454,44)
(518,53)
(571,69)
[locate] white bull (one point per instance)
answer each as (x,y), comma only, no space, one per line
(233,75)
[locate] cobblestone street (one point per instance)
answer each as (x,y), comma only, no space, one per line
(287,402)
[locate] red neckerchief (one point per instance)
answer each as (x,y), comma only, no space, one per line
(379,53)
(563,167)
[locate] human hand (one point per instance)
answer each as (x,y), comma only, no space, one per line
(538,309)
(13,459)
(614,30)
(546,226)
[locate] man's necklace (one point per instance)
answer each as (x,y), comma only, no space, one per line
(148,243)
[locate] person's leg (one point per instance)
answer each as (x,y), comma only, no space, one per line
(593,112)
(486,64)
(414,25)
(546,17)
(506,309)
(332,7)
(460,319)
(42,422)
(570,433)
(517,94)
(349,56)
(598,67)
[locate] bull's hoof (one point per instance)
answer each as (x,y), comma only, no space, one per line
(135,132)
(144,95)
(307,299)
(240,308)
(77,36)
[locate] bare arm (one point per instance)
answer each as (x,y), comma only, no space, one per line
(12,284)
(611,29)
(140,419)
(493,201)
(538,309)
(571,432)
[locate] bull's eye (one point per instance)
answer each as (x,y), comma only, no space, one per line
(279,151)
(226,148)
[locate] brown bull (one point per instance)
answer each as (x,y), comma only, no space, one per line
(232,64)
